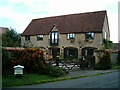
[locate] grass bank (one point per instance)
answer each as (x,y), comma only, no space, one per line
(29,79)
(115,67)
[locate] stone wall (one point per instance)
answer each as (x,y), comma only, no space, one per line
(78,43)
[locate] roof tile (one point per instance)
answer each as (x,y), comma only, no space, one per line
(76,23)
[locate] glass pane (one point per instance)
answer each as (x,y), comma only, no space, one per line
(73,35)
(68,35)
(92,35)
(56,35)
(52,37)
(89,35)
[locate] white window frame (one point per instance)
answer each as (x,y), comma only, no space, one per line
(39,37)
(71,36)
(92,34)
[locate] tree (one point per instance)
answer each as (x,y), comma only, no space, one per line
(118,58)
(107,44)
(11,38)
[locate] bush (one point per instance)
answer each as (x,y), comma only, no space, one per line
(90,60)
(105,62)
(31,59)
(118,58)
(57,71)
(6,66)
(53,71)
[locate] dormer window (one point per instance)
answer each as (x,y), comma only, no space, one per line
(71,36)
(89,36)
(54,37)
(39,37)
(27,38)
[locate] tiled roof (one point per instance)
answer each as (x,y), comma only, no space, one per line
(76,23)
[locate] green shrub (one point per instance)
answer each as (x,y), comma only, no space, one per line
(56,71)
(31,58)
(33,61)
(6,66)
(53,71)
(90,60)
(105,62)
(118,58)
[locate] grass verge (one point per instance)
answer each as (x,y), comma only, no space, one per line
(115,66)
(30,79)
(27,79)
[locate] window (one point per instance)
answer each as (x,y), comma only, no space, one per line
(105,35)
(89,35)
(54,38)
(27,38)
(89,52)
(70,53)
(71,36)
(39,37)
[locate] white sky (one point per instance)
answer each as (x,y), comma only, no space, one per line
(19,13)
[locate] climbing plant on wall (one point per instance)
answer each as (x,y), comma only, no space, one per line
(107,44)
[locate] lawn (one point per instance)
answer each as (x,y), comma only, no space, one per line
(27,79)
(115,66)
(30,79)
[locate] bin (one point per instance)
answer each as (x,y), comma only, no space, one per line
(18,71)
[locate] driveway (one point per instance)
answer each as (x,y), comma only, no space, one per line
(109,80)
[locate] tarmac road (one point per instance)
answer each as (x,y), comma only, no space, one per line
(109,80)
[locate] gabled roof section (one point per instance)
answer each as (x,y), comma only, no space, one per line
(73,23)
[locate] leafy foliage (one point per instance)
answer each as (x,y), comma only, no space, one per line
(107,44)
(11,38)
(33,61)
(105,62)
(53,71)
(118,58)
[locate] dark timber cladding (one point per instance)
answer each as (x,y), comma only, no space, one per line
(73,23)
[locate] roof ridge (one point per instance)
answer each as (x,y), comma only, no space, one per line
(78,22)
(70,14)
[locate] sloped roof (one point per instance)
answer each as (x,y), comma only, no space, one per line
(73,23)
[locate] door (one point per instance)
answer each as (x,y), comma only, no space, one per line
(54,52)
(88,51)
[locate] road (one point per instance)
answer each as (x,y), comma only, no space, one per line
(109,80)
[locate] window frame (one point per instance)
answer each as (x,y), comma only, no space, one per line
(91,36)
(105,35)
(54,38)
(70,36)
(70,53)
(39,37)
(27,38)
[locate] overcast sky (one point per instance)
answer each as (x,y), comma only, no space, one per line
(19,13)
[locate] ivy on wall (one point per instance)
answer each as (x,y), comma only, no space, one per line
(107,44)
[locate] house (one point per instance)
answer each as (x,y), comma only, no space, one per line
(3,30)
(70,36)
